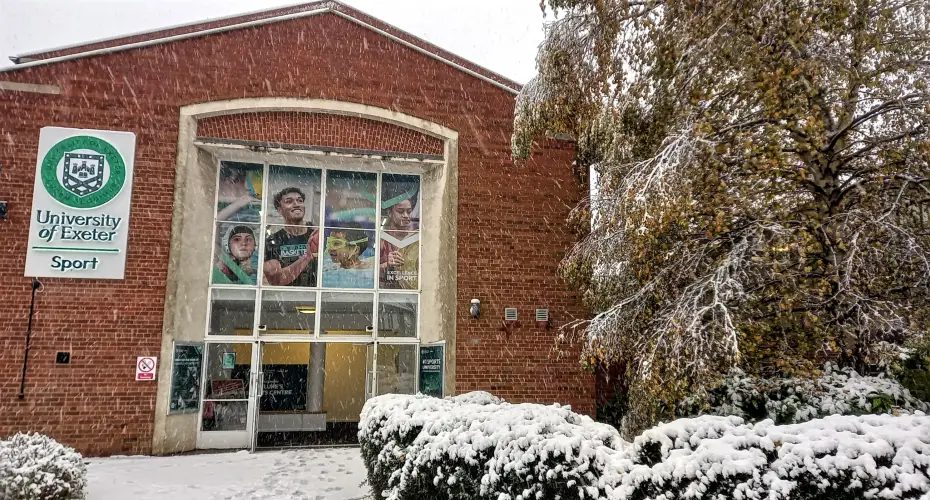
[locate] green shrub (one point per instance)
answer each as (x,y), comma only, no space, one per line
(793,400)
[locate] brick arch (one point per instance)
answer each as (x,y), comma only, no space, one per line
(318,129)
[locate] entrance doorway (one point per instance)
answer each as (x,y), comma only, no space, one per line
(312,392)
(269,393)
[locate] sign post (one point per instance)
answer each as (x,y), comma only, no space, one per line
(145,367)
(432,358)
(79,222)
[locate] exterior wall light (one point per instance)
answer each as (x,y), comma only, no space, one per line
(475,308)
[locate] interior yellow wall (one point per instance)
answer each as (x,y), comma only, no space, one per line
(243,353)
(297,353)
(286,354)
(344,386)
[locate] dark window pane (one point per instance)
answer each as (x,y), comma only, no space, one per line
(287,313)
(397,315)
(346,313)
(232,312)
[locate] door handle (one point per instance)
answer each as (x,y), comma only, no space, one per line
(261,384)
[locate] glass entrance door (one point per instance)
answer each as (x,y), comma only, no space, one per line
(311,393)
(229,395)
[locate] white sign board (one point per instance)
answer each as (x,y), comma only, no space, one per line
(79,222)
(145,367)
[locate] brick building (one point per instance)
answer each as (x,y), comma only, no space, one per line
(314,198)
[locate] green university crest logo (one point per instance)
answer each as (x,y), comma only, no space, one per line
(87,180)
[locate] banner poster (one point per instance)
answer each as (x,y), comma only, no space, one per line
(431,370)
(239,192)
(185,378)
(400,237)
(349,260)
(350,199)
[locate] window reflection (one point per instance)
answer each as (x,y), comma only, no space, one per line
(287,313)
(231,311)
(397,315)
(346,313)
(397,369)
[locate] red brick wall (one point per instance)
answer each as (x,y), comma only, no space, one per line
(270,15)
(510,219)
(316,129)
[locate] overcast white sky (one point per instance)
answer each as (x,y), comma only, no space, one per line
(501,35)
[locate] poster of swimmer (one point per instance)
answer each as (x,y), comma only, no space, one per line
(239,192)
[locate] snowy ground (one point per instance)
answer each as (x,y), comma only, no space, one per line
(317,474)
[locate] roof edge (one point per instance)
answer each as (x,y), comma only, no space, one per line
(414,42)
(28,56)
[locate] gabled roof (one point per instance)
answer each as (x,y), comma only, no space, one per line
(252,19)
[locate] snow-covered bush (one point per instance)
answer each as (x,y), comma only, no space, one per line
(794,400)
(476,446)
(838,457)
(36,467)
(416,447)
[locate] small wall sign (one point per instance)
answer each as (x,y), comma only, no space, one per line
(229,360)
(145,367)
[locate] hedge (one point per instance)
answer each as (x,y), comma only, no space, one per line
(477,446)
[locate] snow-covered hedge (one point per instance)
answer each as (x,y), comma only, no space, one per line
(795,400)
(36,467)
(838,457)
(477,446)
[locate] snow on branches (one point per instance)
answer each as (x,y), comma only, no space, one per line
(764,180)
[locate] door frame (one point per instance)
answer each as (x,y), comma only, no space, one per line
(229,439)
(248,438)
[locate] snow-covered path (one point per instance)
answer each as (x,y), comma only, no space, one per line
(316,474)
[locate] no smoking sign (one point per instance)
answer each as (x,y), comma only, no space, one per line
(145,367)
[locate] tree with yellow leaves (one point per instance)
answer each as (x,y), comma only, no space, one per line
(764,185)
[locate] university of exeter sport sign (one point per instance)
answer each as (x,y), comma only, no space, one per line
(80,204)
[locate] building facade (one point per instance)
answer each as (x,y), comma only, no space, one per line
(313,201)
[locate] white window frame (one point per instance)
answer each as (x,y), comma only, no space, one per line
(259,288)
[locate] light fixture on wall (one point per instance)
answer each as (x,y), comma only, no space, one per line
(475,308)
(306,309)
